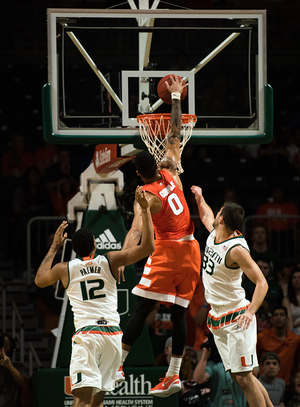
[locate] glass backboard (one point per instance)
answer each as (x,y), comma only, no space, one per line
(104,67)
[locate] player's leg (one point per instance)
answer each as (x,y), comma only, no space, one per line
(171,382)
(97,399)
(82,396)
(179,330)
(243,358)
(135,325)
(254,391)
(133,329)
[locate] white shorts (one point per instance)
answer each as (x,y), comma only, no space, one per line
(237,346)
(96,358)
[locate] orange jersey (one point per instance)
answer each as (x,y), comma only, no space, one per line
(173,221)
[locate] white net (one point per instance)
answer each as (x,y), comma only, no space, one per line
(154,129)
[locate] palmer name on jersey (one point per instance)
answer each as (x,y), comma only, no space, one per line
(90,270)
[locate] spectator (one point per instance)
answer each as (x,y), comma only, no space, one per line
(261,250)
(273,297)
(61,194)
(190,392)
(295,402)
(13,375)
(281,236)
(273,158)
(281,340)
(274,386)
(223,389)
(284,276)
(16,160)
(293,150)
(189,360)
(63,168)
(164,357)
(30,199)
(14,164)
(292,301)
(45,156)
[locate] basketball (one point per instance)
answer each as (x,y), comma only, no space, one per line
(163,92)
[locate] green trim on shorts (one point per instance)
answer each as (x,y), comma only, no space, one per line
(93,328)
(214,323)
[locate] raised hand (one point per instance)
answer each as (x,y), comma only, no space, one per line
(60,236)
(140,197)
(176,84)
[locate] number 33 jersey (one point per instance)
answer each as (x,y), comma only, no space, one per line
(223,285)
(92,291)
(173,221)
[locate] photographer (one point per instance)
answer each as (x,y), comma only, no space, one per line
(13,379)
(223,390)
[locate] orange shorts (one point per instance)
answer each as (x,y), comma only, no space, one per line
(171,272)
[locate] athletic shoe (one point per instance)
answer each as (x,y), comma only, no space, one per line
(120,376)
(167,386)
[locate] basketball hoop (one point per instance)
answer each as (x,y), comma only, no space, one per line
(155,127)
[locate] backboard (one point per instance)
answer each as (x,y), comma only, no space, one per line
(104,66)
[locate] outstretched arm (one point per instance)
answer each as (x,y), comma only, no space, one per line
(46,275)
(172,154)
(205,212)
(133,236)
(136,253)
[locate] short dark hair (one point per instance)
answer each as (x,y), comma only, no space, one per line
(259,226)
(282,307)
(233,215)
(83,242)
(145,164)
(270,355)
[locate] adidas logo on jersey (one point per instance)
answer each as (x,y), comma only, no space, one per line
(107,241)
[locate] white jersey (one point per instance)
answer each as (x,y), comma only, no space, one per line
(223,285)
(92,291)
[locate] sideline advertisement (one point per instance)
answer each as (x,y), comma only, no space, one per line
(53,387)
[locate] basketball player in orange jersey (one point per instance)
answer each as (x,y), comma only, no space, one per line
(173,270)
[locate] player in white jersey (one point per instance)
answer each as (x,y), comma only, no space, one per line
(90,283)
(232,318)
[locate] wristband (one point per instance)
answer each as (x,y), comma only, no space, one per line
(204,305)
(176,95)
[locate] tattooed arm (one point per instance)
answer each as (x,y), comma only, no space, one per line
(46,275)
(172,154)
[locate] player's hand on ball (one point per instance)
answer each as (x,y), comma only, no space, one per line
(177,84)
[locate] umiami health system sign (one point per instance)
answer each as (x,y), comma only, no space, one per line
(52,387)
(132,392)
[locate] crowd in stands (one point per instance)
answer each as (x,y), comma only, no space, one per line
(33,183)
